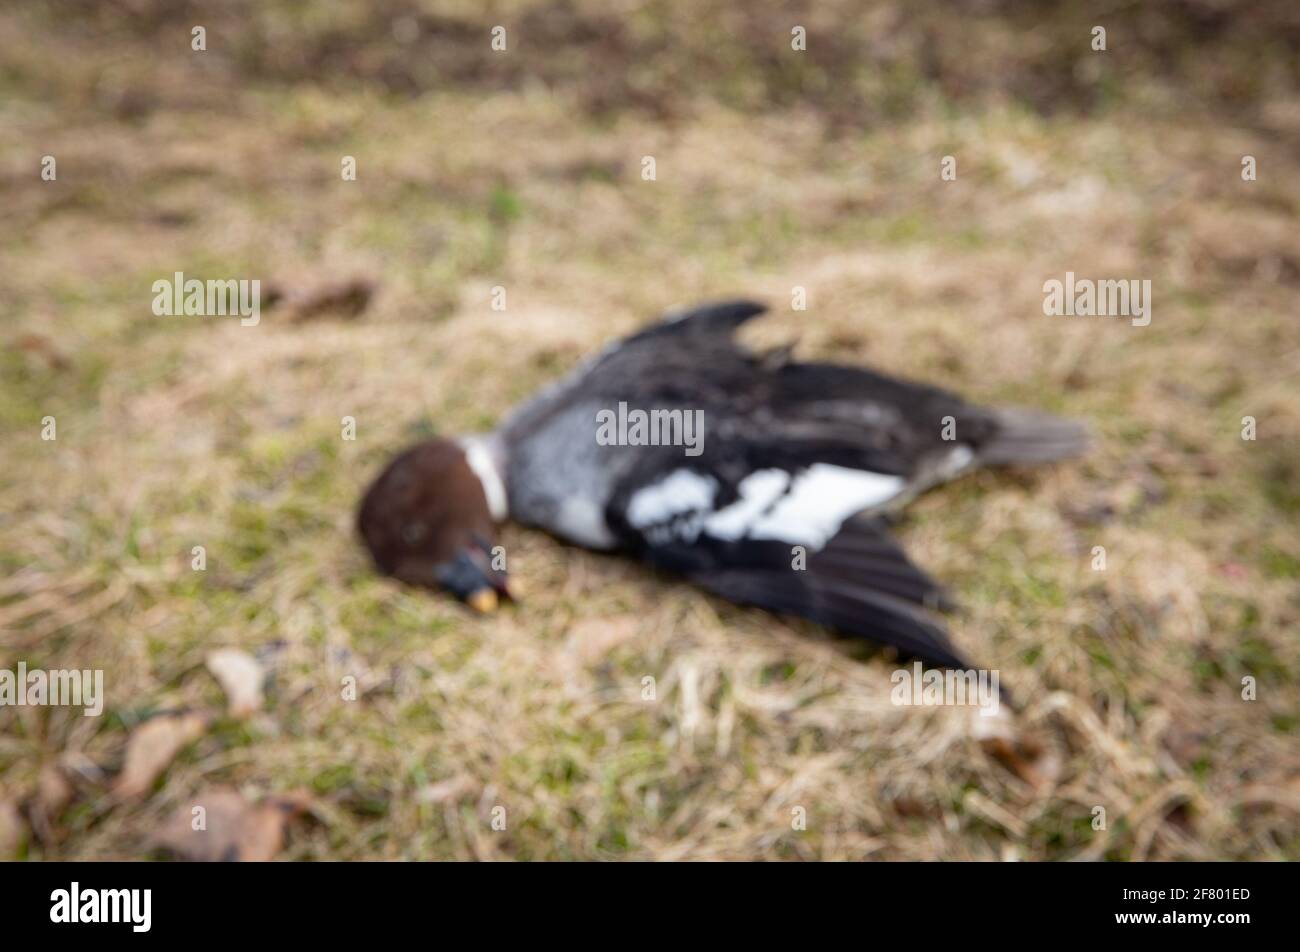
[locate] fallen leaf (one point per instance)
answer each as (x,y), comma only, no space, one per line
(240,676)
(911,807)
(221,825)
(41,348)
(345,298)
(1025,756)
(152,747)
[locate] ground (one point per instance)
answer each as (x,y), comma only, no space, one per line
(522,169)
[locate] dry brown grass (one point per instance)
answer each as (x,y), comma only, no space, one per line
(177,432)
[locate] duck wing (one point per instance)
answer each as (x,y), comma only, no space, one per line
(797,540)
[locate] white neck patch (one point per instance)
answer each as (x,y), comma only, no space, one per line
(484,466)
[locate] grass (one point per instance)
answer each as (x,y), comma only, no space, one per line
(524,172)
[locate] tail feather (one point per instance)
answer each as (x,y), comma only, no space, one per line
(1029,436)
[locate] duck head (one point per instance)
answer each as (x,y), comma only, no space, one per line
(427,521)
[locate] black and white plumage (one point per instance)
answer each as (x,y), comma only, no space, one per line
(784,506)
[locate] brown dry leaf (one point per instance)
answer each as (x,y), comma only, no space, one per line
(41,348)
(240,676)
(153,746)
(1026,758)
(233,828)
(11,829)
(347,298)
(912,807)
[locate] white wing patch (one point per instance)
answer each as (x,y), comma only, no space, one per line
(808,511)
(818,502)
(681,492)
(757,491)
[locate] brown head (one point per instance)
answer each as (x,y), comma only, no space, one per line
(426,521)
